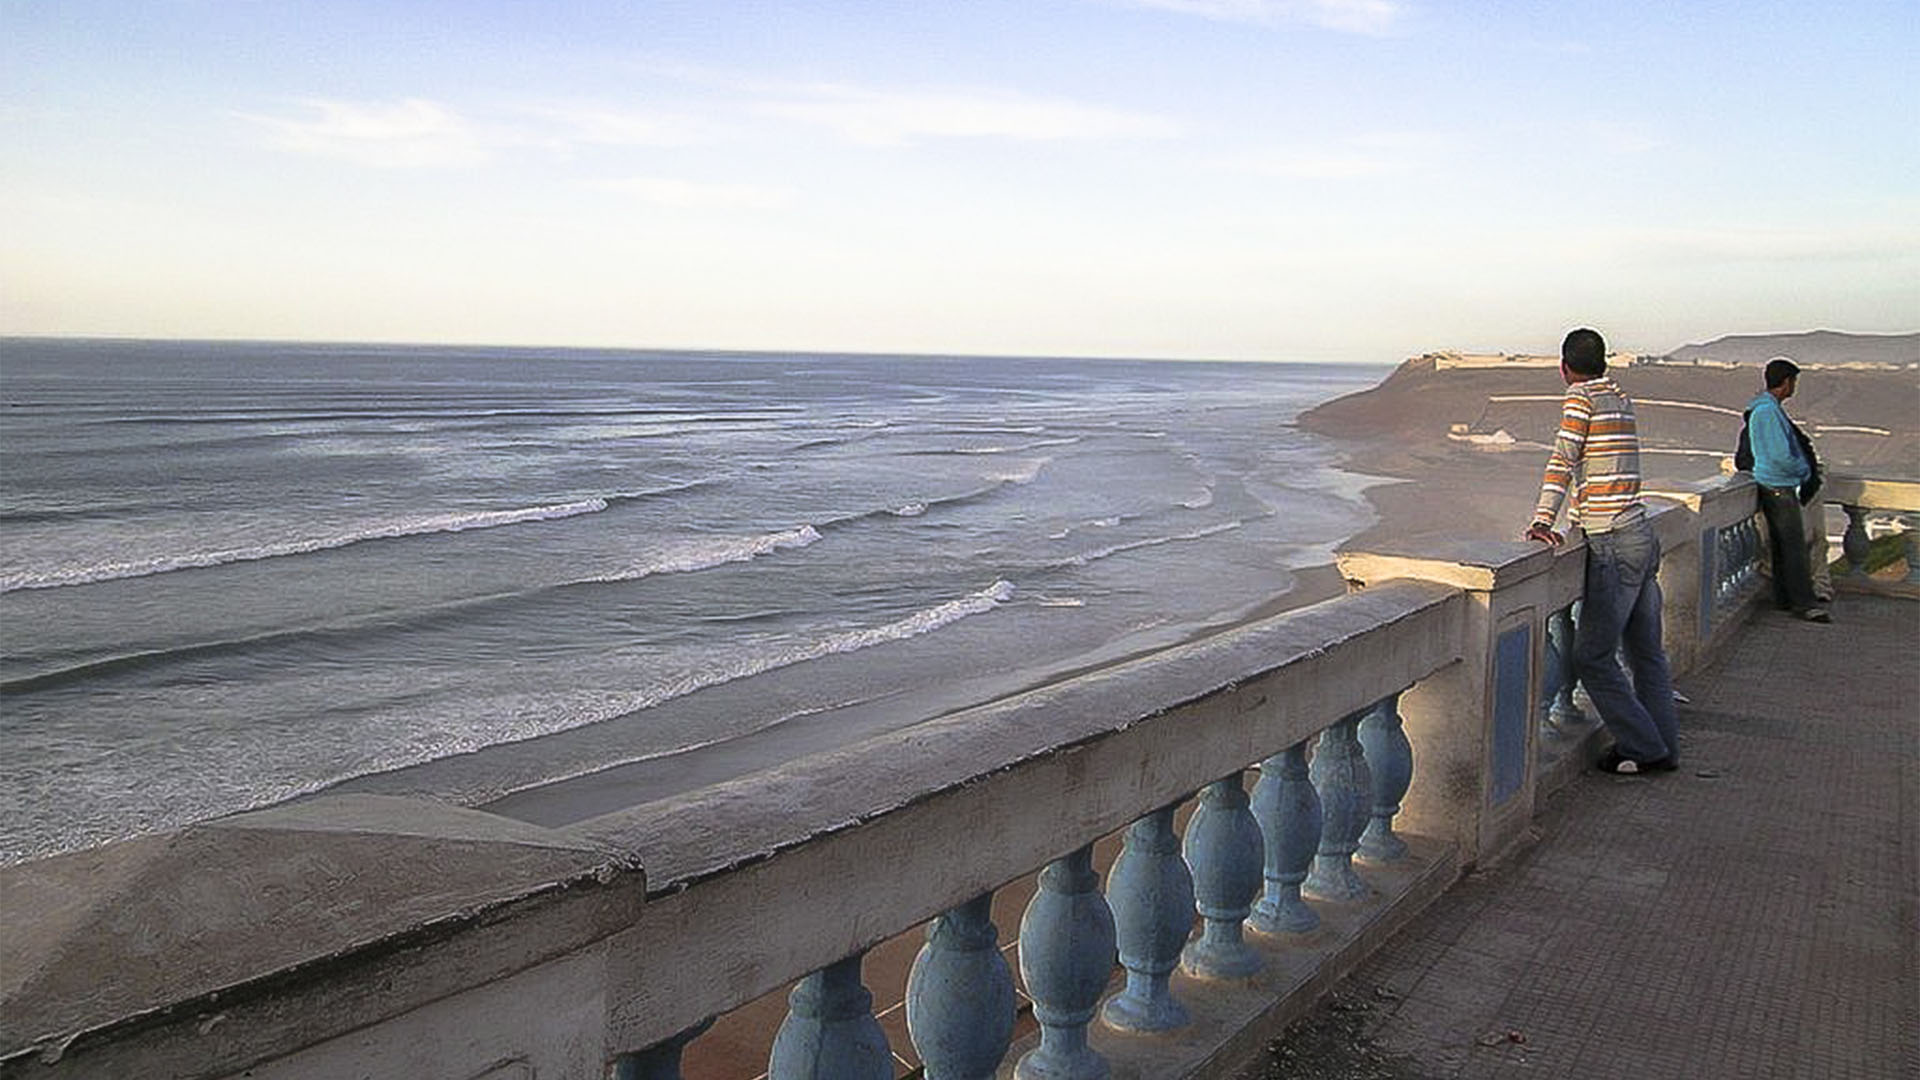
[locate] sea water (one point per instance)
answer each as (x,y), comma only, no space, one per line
(232,573)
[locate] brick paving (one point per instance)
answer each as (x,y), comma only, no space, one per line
(1754,915)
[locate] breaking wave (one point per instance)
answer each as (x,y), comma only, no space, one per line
(87,573)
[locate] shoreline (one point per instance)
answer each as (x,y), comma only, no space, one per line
(1392,439)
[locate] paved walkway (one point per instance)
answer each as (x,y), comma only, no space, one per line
(1753,915)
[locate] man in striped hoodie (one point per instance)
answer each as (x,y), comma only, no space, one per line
(1595,469)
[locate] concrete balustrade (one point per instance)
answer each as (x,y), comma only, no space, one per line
(1862,497)
(405,937)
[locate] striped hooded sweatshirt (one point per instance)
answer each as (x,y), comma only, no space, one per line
(1596,458)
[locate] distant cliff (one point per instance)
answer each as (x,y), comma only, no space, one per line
(1822,347)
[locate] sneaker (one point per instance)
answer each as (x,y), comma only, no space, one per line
(1613,761)
(1814,614)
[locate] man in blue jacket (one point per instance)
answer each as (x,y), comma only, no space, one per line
(1780,467)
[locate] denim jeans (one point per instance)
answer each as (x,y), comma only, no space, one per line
(1787,537)
(1621,611)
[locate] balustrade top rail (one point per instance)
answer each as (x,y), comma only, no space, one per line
(1256,689)
(1885,493)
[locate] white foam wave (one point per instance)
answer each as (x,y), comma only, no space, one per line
(1086,557)
(909,510)
(1023,473)
(709,552)
(531,716)
(1018,447)
(673,488)
(86,573)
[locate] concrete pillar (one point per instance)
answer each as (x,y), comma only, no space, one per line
(1683,560)
(1224,848)
(1288,810)
(1066,955)
(1150,890)
(1471,722)
(960,1003)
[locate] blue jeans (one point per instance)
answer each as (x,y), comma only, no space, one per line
(1621,611)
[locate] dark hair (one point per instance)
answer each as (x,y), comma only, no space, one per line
(1585,353)
(1779,370)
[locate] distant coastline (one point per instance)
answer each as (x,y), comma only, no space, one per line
(1468,433)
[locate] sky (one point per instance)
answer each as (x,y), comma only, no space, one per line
(1313,180)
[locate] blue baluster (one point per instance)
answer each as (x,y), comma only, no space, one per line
(1725,567)
(1288,810)
(830,1032)
(1855,542)
(1150,891)
(660,1061)
(1340,774)
(1224,847)
(1389,757)
(1564,713)
(960,1003)
(1550,675)
(1737,566)
(1066,958)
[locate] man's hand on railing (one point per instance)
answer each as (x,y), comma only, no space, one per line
(1544,534)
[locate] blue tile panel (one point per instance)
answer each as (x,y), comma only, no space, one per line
(1512,670)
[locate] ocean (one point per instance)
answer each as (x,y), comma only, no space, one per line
(234,573)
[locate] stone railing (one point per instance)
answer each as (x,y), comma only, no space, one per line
(1399,734)
(1864,497)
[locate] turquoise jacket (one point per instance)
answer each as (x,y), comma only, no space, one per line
(1777,460)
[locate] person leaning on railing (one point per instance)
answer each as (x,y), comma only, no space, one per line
(1596,456)
(1785,472)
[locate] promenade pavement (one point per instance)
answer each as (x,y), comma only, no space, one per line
(1755,914)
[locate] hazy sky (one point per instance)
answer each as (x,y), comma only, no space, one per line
(1240,179)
